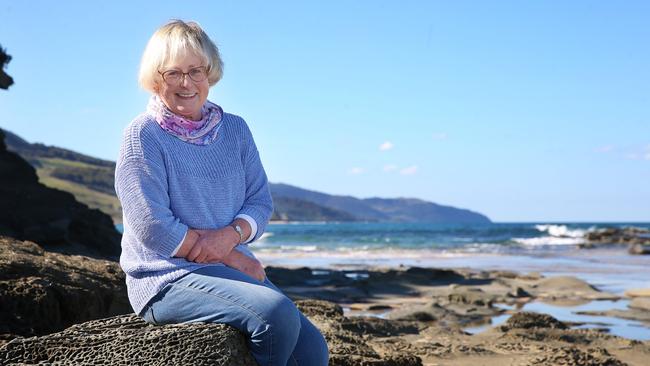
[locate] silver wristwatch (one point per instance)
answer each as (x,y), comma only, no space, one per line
(239,231)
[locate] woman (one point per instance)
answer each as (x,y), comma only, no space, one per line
(194,194)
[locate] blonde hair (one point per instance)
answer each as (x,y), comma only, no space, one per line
(172,41)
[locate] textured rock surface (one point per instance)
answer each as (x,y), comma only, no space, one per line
(347,338)
(43,292)
(52,218)
(527,320)
(128,340)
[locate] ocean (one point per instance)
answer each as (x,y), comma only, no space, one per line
(551,249)
(505,238)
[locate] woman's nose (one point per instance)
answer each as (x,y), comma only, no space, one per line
(185,80)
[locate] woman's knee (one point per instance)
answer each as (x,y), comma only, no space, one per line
(284,317)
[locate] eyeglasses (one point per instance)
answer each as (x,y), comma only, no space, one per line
(173,77)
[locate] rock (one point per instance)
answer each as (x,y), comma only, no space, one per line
(347,338)
(638,239)
(567,287)
(128,340)
(640,292)
(43,292)
(50,217)
(639,248)
(379,327)
(640,303)
(518,292)
(572,356)
(528,320)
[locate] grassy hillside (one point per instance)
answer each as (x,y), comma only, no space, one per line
(53,172)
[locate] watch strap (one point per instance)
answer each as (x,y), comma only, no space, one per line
(239,231)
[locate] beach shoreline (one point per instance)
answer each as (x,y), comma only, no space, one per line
(609,270)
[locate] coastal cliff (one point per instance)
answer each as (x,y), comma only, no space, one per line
(53,218)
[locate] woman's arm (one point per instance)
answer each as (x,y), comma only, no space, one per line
(233,258)
(208,246)
(141,186)
(258,204)
(246,264)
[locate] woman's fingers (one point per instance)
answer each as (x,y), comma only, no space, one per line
(194,253)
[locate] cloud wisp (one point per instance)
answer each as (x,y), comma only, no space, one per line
(409,170)
(386,146)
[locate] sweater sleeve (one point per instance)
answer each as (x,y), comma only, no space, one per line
(258,203)
(141,186)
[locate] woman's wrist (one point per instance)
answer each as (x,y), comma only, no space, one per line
(244,229)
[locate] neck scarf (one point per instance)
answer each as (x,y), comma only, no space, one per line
(201,132)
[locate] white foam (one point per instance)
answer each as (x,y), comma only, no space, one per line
(549,240)
(561,231)
(299,248)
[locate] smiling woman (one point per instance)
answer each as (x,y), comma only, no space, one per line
(194,193)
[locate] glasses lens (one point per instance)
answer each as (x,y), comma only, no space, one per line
(198,74)
(171,76)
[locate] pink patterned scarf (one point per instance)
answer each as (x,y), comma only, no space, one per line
(201,132)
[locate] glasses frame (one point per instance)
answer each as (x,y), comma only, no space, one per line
(183,74)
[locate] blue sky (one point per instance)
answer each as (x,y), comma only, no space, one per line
(523,111)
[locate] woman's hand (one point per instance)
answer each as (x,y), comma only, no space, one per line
(213,245)
(246,264)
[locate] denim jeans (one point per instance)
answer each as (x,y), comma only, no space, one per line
(279,334)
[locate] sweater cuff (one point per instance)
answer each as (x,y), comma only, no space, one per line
(179,244)
(253,225)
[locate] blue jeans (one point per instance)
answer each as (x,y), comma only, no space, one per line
(279,334)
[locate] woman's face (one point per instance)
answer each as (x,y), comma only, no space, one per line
(184,97)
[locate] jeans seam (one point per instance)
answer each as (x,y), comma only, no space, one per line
(153,317)
(258,316)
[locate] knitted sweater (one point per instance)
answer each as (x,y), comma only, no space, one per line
(167,185)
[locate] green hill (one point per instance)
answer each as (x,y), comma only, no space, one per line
(91,181)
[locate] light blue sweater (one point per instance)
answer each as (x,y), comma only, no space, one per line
(167,185)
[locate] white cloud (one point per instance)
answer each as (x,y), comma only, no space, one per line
(386,146)
(356,171)
(409,170)
(390,167)
(439,136)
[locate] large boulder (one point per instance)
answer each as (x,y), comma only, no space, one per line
(43,292)
(128,340)
(53,218)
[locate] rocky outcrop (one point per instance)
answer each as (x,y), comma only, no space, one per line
(128,340)
(43,292)
(525,339)
(52,218)
(637,239)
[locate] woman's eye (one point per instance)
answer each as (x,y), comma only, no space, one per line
(196,72)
